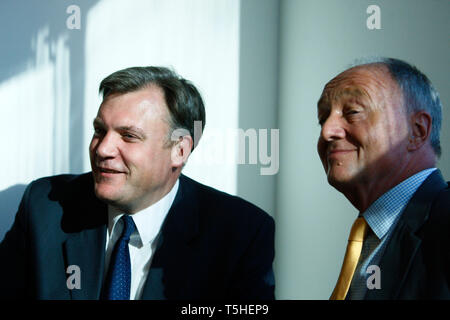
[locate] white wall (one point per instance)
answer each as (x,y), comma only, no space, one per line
(258,97)
(199,39)
(37,84)
(318,40)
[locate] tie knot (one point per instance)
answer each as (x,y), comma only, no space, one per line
(128,227)
(358,231)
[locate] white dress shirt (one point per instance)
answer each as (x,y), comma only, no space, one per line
(142,241)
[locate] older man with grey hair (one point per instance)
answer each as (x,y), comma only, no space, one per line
(379,144)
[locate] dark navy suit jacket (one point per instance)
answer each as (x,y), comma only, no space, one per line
(416,261)
(212,245)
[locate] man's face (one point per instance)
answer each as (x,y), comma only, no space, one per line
(364,127)
(130,160)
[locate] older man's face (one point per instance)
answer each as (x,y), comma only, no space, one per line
(364,126)
(130,159)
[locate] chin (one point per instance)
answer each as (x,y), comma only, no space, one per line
(337,177)
(343,178)
(106,193)
(335,182)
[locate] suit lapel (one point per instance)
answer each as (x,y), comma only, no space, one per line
(166,274)
(396,262)
(405,242)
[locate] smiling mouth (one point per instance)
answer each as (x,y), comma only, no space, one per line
(338,152)
(106,170)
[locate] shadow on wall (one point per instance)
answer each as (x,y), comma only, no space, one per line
(9,200)
(34,33)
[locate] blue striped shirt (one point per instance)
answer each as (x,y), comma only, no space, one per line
(382,216)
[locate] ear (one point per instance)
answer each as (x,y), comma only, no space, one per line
(421,129)
(181,151)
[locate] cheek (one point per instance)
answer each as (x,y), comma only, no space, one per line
(137,158)
(321,148)
(92,146)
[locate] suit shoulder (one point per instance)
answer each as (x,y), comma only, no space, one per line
(439,219)
(55,187)
(441,204)
(60,179)
(225,203)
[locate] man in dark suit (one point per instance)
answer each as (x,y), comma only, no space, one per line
(379,143)
(135,227)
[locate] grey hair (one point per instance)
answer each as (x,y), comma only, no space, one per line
(418,92)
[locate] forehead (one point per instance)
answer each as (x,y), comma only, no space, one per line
(363,82)
(138,105)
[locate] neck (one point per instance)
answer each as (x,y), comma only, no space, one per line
(366,191)
(149,199)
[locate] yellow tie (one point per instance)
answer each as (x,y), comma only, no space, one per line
(354,246)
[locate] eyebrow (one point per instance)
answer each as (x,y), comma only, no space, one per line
(133,129)
(322,101)
(98,121)
(353,93)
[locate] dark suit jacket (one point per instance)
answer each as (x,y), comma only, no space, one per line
(212,245)
(416,262)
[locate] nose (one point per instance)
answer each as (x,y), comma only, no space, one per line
(106,146)
(333,127)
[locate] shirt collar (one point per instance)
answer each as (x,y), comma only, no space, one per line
(385,211)
(148,221)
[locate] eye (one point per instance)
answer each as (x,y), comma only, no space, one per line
(98,131)
(351,110)
(322,117)
(129,136)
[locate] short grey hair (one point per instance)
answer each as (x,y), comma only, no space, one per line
(418,92)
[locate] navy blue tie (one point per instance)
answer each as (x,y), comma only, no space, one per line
(118,280)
